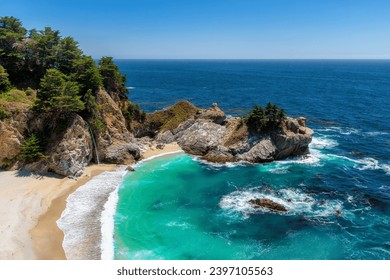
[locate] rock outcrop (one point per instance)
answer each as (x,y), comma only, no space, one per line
(69,142)
(70,149)
(268,204)
(210,135)
(11,133)
(115,143)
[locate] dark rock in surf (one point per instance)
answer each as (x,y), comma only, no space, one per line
(268,204)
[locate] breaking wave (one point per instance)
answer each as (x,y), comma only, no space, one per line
(295,201)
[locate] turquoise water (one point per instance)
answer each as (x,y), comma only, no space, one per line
(177,207)
(338,198)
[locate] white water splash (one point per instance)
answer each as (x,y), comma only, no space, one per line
(296,202)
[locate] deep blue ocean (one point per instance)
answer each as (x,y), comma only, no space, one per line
(338,197)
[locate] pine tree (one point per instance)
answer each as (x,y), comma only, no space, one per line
(31,149)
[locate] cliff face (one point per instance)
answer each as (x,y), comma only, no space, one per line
(11,133)
(66,139)
(69,147)
(115,143)
(217,139)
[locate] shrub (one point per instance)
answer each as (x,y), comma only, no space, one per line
(98,125)
(3,115)
(133,112)
(5,85)
(31,149)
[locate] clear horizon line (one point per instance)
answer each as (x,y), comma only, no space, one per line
(248,58)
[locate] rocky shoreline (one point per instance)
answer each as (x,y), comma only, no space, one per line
(71,145)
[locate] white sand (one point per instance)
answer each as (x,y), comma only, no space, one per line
(23,199)
(30,206)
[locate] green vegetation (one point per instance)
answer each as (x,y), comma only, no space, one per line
(57,93)
(15,95)
(31,149)
(133,112)
(264,119)
(98,125)
(5,85)
(113,80)
(64,78)
(3,115)
(172,117)
(86,74)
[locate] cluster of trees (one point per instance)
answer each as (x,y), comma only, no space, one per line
(265,119)
(65,78)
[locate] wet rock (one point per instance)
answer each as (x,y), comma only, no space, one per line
(268,204)
(130,168)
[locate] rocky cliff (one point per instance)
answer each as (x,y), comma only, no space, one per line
(115,144)
(66,138)
(215,138)
(68,143)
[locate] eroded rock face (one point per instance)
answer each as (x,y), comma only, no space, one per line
(69,151)
(11,134)
(268,204)
(115,143)
(218,139)
(214,114)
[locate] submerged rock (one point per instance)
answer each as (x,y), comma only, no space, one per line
(268,204)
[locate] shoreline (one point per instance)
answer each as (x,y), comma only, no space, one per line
(30,207)
(46,235)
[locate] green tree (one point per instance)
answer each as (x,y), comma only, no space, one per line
(86,74)
(264,119)
(4,82)
(68,52)
(31,149)
(11,32)
(133,112)
(57,93)
(113,80)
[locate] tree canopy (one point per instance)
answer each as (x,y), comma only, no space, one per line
(57,93)
(113,80)
(63,77)
(264,119)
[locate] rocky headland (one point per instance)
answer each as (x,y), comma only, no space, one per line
(71,144)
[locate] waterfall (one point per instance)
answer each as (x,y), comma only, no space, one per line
(93,141)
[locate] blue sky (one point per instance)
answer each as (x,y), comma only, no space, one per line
(238,29)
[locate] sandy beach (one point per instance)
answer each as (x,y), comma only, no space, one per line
(30,205)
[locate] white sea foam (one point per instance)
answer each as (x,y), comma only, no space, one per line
(322,143)
(220,165)
(81,220)
(340,130)
(108,224)
(372,164)
(377,133)
(295,201)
